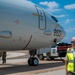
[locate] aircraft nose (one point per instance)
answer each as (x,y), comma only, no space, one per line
(64,33)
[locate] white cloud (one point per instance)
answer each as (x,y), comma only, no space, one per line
(60,16)
(69,20)
(70,30)
(69,7)
(73,28)
(52,6)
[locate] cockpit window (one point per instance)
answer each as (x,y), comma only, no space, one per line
(54,18)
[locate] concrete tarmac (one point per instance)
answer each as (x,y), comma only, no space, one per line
(17,65)
(58,72)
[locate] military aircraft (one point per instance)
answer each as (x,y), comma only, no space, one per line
(26,26)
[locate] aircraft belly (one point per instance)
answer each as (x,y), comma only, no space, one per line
(13,44)
(39,41)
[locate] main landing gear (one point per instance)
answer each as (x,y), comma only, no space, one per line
(33,61)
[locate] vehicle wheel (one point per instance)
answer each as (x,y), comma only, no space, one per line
(51,58)
(41,57)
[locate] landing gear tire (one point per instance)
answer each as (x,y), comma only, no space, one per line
(33,61)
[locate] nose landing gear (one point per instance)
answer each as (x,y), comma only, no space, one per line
(33,61)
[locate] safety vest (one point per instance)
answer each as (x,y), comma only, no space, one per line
(71,60)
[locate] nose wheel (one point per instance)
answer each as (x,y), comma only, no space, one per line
(33,61)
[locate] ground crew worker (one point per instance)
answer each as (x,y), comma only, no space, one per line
(4,57)
(70,59)
(0,54)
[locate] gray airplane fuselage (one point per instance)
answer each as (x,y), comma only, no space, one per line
(24,25)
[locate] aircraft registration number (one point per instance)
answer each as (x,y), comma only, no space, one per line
(57,32)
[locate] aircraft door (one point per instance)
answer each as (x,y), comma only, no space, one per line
(41,18)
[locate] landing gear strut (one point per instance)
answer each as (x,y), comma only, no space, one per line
(33,61)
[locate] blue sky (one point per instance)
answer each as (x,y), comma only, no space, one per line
(64,10)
